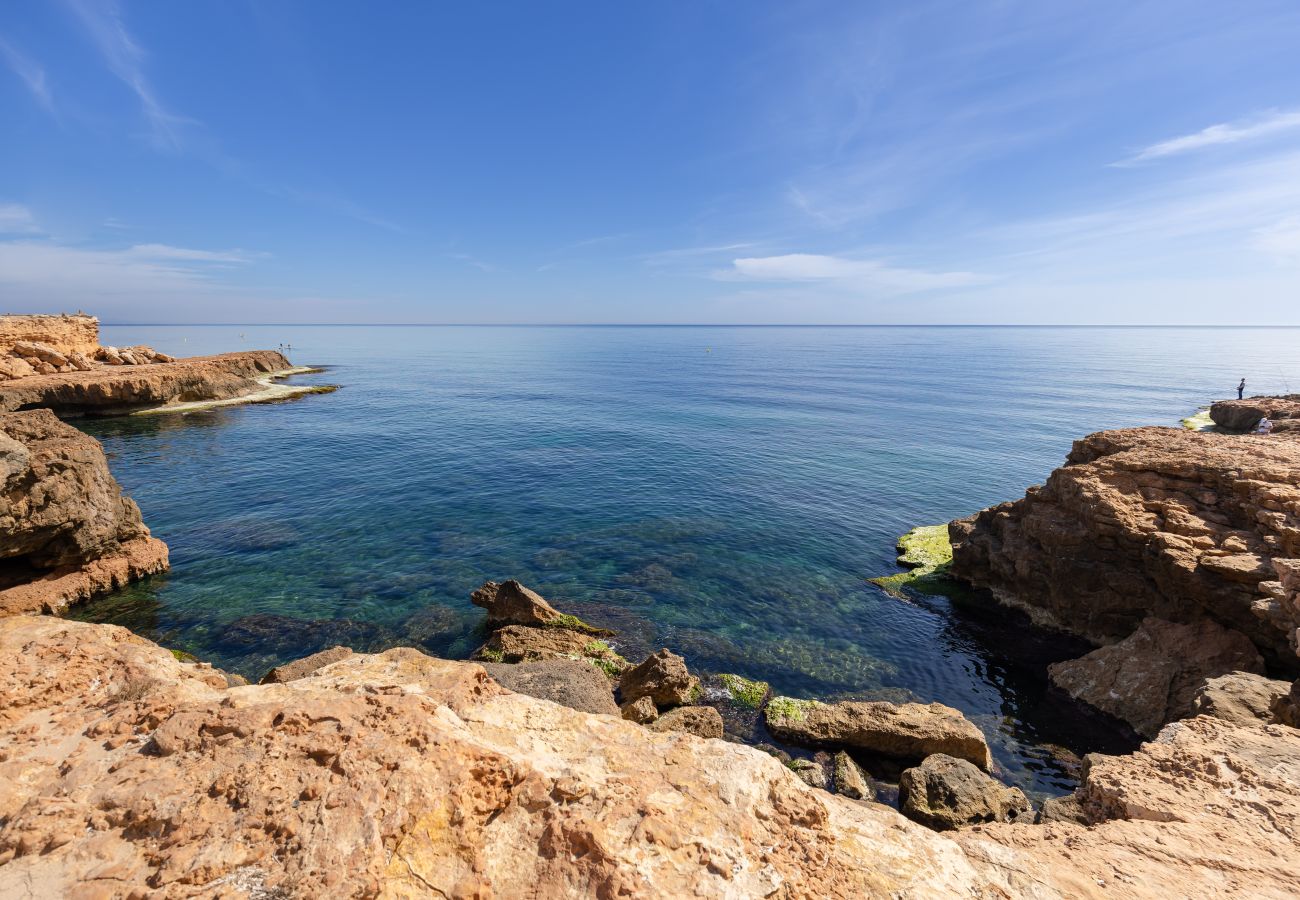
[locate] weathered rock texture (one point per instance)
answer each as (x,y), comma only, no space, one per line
(66,531)
(301,668)
(1151,522)
(65,333)
(112,388)
(945,792)
(1239,697)
(576,684)
(1152,677)
(663,677)
(704,721)
(903,730)
(1244,415)
(125,773)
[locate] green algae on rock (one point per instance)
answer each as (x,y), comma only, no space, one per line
(927,553)
(744,691)
(788,709)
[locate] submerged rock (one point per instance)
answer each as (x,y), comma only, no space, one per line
(1240,697)
(576,684)
(944,792)
(702,721)
(664,678)
(906,730)
(1152,677)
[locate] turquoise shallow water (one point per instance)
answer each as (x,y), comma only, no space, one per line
(722,491)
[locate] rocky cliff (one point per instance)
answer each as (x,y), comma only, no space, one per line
(127,773)
(66,531)
(106,389)
(1156,522)
(1244,415)
(66,333)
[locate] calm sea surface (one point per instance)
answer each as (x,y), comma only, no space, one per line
(725,492)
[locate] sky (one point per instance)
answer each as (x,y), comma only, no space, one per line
(684,161)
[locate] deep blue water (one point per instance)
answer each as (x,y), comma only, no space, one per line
(725,492)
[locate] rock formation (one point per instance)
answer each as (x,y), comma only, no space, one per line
(1244,415)
(664,678)
(66,531)
(65,334)
(1152,677)
(569,682)
(945,792)
(1240,697)
(902,730)
(1151,522)
(702,721)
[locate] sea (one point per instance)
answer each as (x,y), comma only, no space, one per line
(726,492)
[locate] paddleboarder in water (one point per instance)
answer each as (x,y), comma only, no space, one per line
(1240,388)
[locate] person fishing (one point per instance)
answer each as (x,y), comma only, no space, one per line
(1241,388)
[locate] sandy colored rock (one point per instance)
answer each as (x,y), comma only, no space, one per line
(63,333)
(902,730)
(15,367)
(1152,677)
(1239,697)
(510,603)
(641,710)
(945,792)
(109,388)
(663,677)
(67,532)
(301,668)
(811,772)
(519,643)
(702,721)
(1286,709)
(850,779)
(1145,522)
(1244,415)
(576,684)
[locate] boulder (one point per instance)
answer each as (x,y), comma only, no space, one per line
(301,668)
(663,677)
(850,779)
(519,643)
(702,721)
(1286,709)
(1241,697)
(1244,415)
(15,367)
(576,684)
(44,352)
(510,603)
(1143,522)
(642,711)
(945,792)
(812,772)
(1152,677)
(902,730)
(80,362)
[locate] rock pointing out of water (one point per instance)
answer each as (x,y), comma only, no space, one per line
(945,792)
(510,603)
(903,730)
(663,677)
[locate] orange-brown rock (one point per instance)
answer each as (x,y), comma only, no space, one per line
(66,530)
(107,389)
(945,793)
(301,668)
(1244,415)
(65,333)
(1150,522)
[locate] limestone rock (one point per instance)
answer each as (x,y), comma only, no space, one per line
(1143,522)
(702,721)
(513,604)
(663,677)
(1152,676)
(944,792)
(1244,415)
(66,530)
(850,780)
(519,643)
(573,683)
(301,668)
(15,367)
(63,333)
(642,711)
(1240,697)
(903,730)
(1286,709)
(812,772)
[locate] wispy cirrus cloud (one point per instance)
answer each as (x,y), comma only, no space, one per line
(1271,123)
(30,72)
(853,274)
(17,219)
(124,57)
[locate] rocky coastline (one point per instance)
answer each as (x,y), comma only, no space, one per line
(551,765)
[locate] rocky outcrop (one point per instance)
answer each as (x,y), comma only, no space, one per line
(901,730)
(301,668)
(1242,698)
(663,677)
(67,532)
(702,721)
(1145,522)
(850,779)
(1152,676)
(945,792)
(66,334)
(569,682)
(519,643)
(1286,709)
(1244,415)
(107,389)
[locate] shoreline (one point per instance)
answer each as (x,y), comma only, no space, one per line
(272,392)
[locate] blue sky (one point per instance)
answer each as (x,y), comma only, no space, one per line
(753,162)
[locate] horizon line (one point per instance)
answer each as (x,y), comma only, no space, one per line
(676,325)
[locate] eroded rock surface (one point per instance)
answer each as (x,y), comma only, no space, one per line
(1151,522)
(702,721)
(1152,677)
(903,730)
(1244,415)
(301,668)
(66,530)
(945,792)
(663,677)
(1240,697)
(576,684)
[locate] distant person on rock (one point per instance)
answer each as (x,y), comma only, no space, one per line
(1265,426)
(1241,388)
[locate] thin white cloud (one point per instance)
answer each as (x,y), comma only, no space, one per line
(102,20)
(31,74)
(1218,135)
(43,273)
(854,274)
(17,219)
(1280,240)
(473,261)
(161,252)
